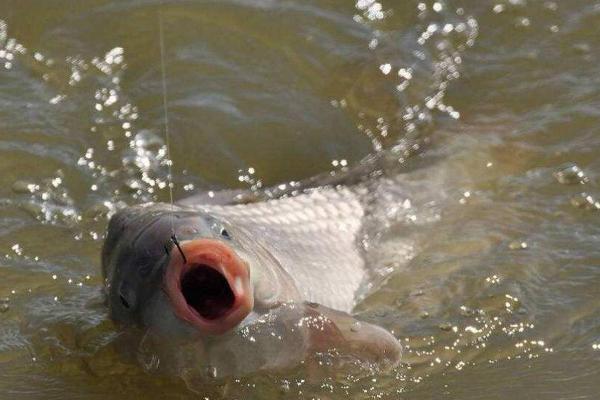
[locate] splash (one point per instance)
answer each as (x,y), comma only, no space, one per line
(418,80)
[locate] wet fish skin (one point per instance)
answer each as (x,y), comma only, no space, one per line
(314,236)
(291,270)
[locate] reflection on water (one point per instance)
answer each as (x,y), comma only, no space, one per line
(490,228)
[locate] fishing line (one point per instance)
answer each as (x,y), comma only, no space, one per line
(163,73)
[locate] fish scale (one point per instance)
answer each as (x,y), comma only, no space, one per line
(313,236)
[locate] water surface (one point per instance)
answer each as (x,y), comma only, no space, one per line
(498,296)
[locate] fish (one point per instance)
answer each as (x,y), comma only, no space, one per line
(246,286)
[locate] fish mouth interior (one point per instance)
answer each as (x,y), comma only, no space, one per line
(207,291)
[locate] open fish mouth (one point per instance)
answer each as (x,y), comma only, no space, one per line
(207,291)
(209,288)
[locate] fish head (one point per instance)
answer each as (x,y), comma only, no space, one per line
(175,270)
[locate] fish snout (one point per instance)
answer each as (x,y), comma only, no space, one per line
(209,285)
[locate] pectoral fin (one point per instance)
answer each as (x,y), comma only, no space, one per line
(329,329)
(295,333)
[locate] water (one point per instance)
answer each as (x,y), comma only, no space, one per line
(499,297)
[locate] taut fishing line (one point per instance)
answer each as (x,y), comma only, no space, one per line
(163,73)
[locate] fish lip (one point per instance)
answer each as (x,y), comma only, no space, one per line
(221,257)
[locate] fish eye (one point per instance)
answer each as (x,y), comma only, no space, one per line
(225,234)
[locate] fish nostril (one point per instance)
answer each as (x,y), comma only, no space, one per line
(126,295)
(124,301)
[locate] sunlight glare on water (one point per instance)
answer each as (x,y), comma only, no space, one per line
(485,114)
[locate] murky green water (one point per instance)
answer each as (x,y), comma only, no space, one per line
(501,296)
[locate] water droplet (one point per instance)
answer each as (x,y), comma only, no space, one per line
(445,326)
(17,249)
(24,187)
(585,201)
(285,386)
(385,68)
(517,245)
(211,371)
(570,175)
